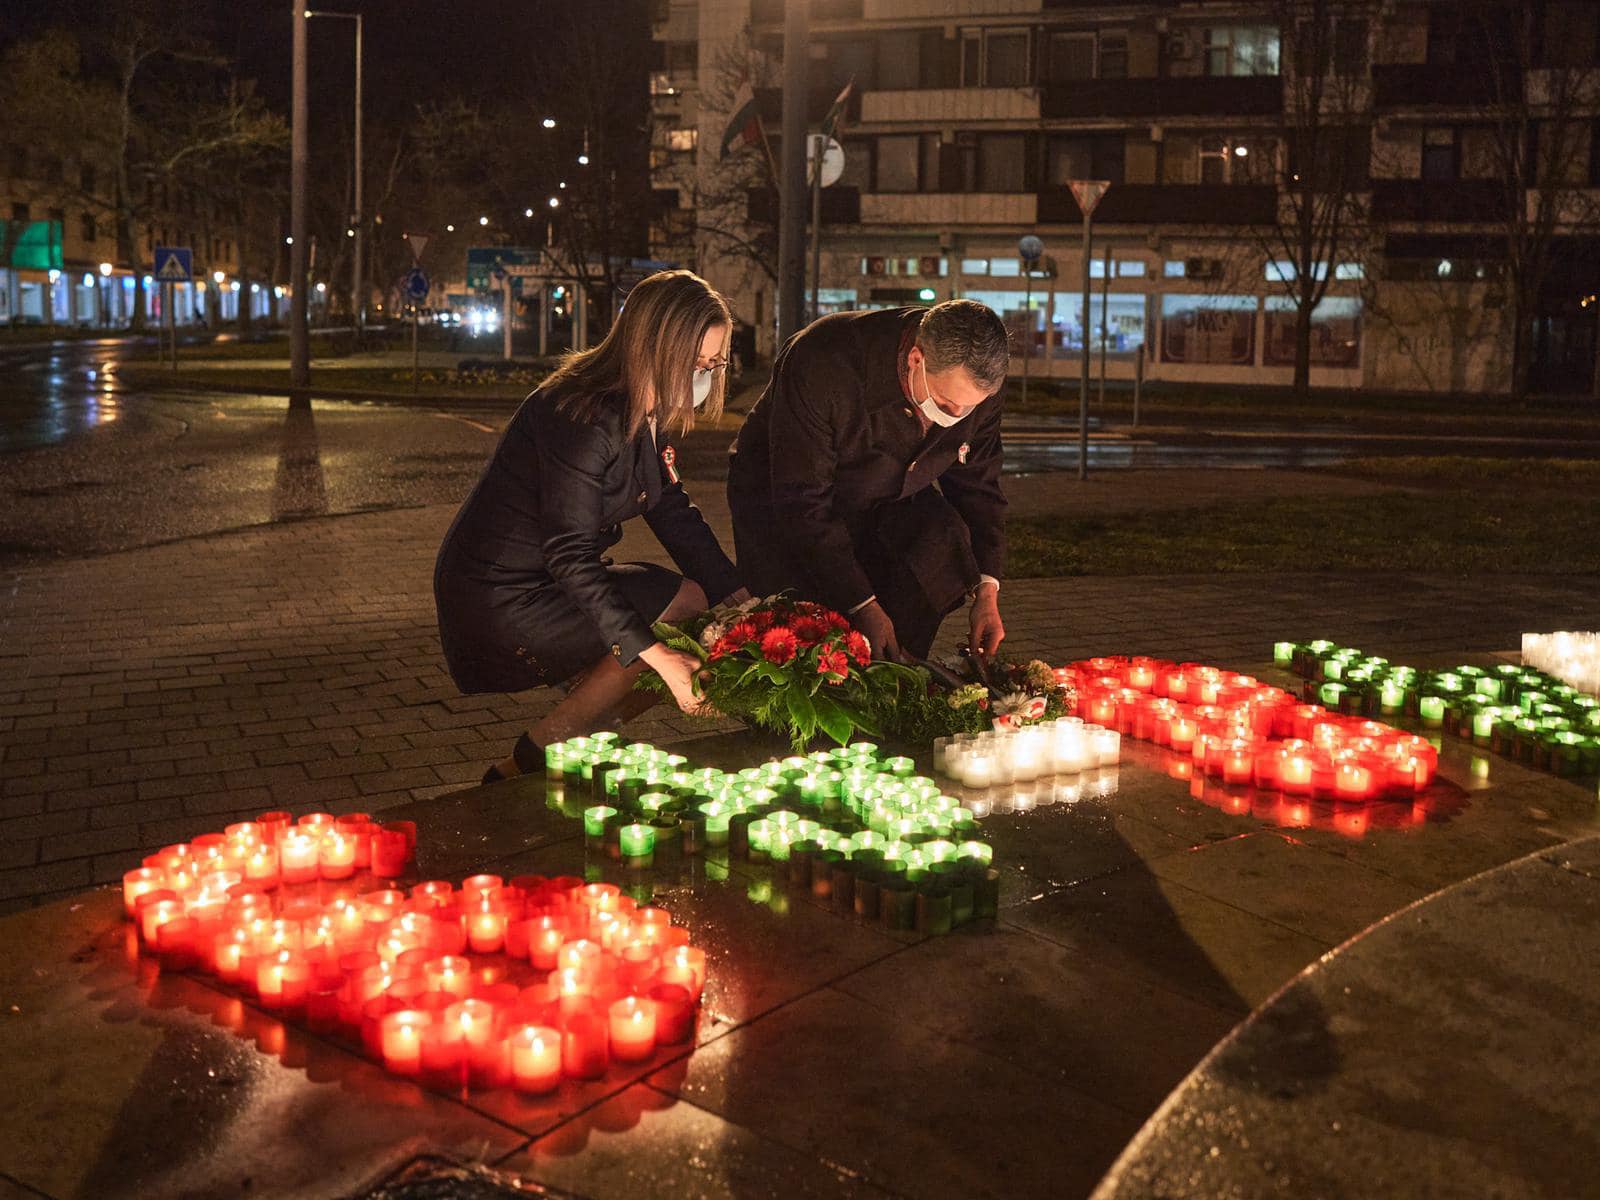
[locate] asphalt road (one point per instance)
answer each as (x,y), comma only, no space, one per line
(87,466)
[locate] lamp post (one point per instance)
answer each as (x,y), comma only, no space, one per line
(357,290)
(299,154)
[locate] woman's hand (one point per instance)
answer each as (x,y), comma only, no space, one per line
(679,671)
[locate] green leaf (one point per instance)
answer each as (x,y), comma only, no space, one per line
(834,720)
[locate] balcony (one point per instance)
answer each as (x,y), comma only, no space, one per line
(1167,204)
(818,100)
(1450,86)
(1420,200)
(840,206)
(770,12)
(951,104)
(1164,96)
(948,208)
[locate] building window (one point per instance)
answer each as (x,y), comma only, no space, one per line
(1069,56)
(1172,268)
(897,162)
(1569,34)
(1441,160)
(1349,46)
(682,59)
(899,60)
(1113,56)
(682,140)
(974,266)
(1090,156)
(86,179)
(88,227)
(1241,50)
(994,58)
(1001,165)
(19,213)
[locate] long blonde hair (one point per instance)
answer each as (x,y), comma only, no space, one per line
(650,351)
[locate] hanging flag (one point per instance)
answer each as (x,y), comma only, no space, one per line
(836,109)
(744,128)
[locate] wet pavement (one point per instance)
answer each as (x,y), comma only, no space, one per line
(1138,923)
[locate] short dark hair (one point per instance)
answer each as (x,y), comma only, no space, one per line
(964,333)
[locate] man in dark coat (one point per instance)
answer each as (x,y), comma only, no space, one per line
(867,476)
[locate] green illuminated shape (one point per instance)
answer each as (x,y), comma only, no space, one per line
(862,751)
(652,801)
(977,851)
(717,815)
(1333,669)
(1483,722)
(760,834)
(1329,693)
(1431,709)
(637,841)
(902,766)
(594,820)
(1489,686)
(1448,682)
(606,737)
(1319,646)
(1282,652)
(1391,696)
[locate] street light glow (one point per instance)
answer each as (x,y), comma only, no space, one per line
(288,241)
(554,202)
(1241,151)
(349,233)
(322,287)
(483,220)
(527,212)
(218,276)
(449,228)
(583,160)
(105,268)
(563,183)
(549,122)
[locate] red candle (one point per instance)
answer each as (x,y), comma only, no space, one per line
(435,891)
(389,852)
(155,909)
(1238,762)
(1351,781)
(486,931)
(1183,732)
(480,1036)
(261,866)
(674,1012)
(176,942)
(544,943)
(583,1045)
(400,1035)
(443,1053)
(297,856)
(633,1029)
(138,882)
(449,974)
(228,949)
(359,827)
(1294,773)
(282,980)
(336,855)
(447,932)
(536,1059)
(686,967)
(322,1007)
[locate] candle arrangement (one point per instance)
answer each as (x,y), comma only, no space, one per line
(1572,658)
(1064,746)
(1239,730)
(850,825)
(605,979)
(1513,710)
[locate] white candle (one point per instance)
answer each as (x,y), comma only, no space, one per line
(1107,746)
(978,769)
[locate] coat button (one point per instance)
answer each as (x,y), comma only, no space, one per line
(643,496)
(908,412)
(616,649)
(912,467)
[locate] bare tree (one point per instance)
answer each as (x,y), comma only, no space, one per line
(1322,160)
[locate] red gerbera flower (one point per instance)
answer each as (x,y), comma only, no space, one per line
(837,621)
(810,630)
(761,619)
(738,634)
(778,646)
(834,664)
(858,646)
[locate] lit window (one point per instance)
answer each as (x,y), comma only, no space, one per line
(1172,268)
(1005,266)
(974,266)
(682,139)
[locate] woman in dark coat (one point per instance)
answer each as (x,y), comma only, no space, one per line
(524,593)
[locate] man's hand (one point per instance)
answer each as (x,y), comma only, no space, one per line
(875,625)
(987,630)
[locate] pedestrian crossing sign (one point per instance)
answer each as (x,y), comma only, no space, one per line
(174,264)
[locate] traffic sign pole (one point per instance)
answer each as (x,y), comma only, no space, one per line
(1031,249)
(505,320)
(1088,193)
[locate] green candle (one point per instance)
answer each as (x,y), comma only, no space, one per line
(595,818)
(1483,722)
(1391,696)
(978,852)
(1329,694)
(901,766)
(652,801)
(1332,669)
(1431,709)
(638,841)
(1283,653)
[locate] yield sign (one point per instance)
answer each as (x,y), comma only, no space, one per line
(1088,193)
(418,243)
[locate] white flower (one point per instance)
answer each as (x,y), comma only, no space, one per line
(1020,706)
(712,634)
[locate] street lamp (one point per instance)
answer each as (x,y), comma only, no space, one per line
(555,202)
(357,291)
(549,122)
(483,220)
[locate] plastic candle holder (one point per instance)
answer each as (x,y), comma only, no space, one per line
(594,820)
(1431,710)
(632,1029)
(638,844)
(536,1059)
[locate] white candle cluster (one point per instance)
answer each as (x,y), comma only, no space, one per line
(1573,658)
(1065,746)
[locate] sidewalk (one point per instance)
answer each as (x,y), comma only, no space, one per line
(149,695)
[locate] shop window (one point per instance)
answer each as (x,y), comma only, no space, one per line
(1208,330)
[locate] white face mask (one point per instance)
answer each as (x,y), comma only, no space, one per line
(702,385)
(931,410)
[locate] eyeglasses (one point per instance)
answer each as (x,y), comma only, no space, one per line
(717,365)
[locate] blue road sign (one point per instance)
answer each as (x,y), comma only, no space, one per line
(416,284)
(174,264)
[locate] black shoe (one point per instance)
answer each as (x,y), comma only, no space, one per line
(529,755)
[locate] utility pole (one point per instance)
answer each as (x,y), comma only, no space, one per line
(358,233)
(1087,192)
(792,195)
(299,155)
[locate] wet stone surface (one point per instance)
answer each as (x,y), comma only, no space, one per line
(1141,917)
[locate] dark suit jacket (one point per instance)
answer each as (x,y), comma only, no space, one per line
(551,502)
(834,438)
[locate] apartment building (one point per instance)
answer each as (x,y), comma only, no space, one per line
(59,260)
(967,121)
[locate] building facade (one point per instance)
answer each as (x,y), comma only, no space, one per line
(1464,136)
(59,258)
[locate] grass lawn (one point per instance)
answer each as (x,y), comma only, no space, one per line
(1476,515)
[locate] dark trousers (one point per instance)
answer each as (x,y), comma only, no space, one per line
(916,552)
